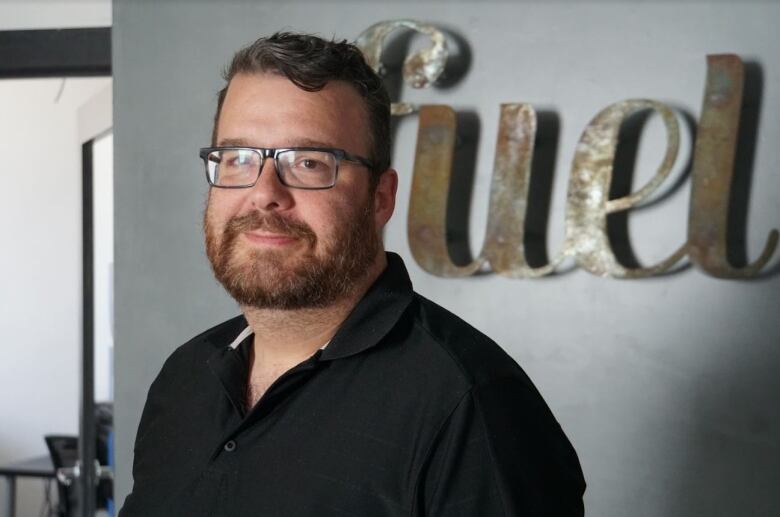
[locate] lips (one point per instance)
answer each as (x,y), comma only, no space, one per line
(270,238)
(269,229)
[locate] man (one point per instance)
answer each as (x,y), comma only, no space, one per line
(339,391)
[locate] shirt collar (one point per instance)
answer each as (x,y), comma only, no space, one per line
(241,337)
(375,314)
(371,319)
(248,332)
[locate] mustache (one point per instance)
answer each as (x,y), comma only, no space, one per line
(271,222)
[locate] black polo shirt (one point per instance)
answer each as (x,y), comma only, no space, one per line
(409,411)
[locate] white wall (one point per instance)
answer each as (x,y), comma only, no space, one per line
(53,14)
(103,256)
(667,387)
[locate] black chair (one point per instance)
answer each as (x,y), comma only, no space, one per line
(64,452)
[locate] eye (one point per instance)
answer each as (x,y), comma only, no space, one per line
(311,163)
(237,159)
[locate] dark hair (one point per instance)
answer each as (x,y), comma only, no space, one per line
(310,63)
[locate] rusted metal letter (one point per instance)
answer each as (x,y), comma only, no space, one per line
(588,200)
(421,68)
(426,224)
(713,169)
(503,248)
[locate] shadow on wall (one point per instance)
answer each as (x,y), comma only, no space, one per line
(729,452)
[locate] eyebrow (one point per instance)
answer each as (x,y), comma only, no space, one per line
(301,142)
(233,142)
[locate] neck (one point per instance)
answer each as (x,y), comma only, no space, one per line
(290,336)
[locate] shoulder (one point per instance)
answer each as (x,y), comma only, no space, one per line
(184,377)
(202,346)
(500,429)
(479,360)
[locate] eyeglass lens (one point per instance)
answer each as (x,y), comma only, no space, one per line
(296,168)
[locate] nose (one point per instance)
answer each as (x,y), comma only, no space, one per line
(268,193)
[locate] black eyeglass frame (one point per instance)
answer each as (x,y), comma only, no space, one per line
(270,152)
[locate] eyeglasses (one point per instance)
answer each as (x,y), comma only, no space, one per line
(297,167)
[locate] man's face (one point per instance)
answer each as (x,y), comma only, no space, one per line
(275,247)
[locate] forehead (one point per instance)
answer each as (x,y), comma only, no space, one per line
(268,110)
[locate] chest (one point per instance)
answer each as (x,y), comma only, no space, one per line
(313,448)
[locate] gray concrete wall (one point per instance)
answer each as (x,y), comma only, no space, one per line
(667,387)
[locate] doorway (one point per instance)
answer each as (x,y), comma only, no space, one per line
(57,252)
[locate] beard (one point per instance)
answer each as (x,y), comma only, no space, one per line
(293,279)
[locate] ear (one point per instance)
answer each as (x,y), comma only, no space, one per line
(384,197)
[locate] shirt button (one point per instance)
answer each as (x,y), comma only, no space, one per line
(230,446)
